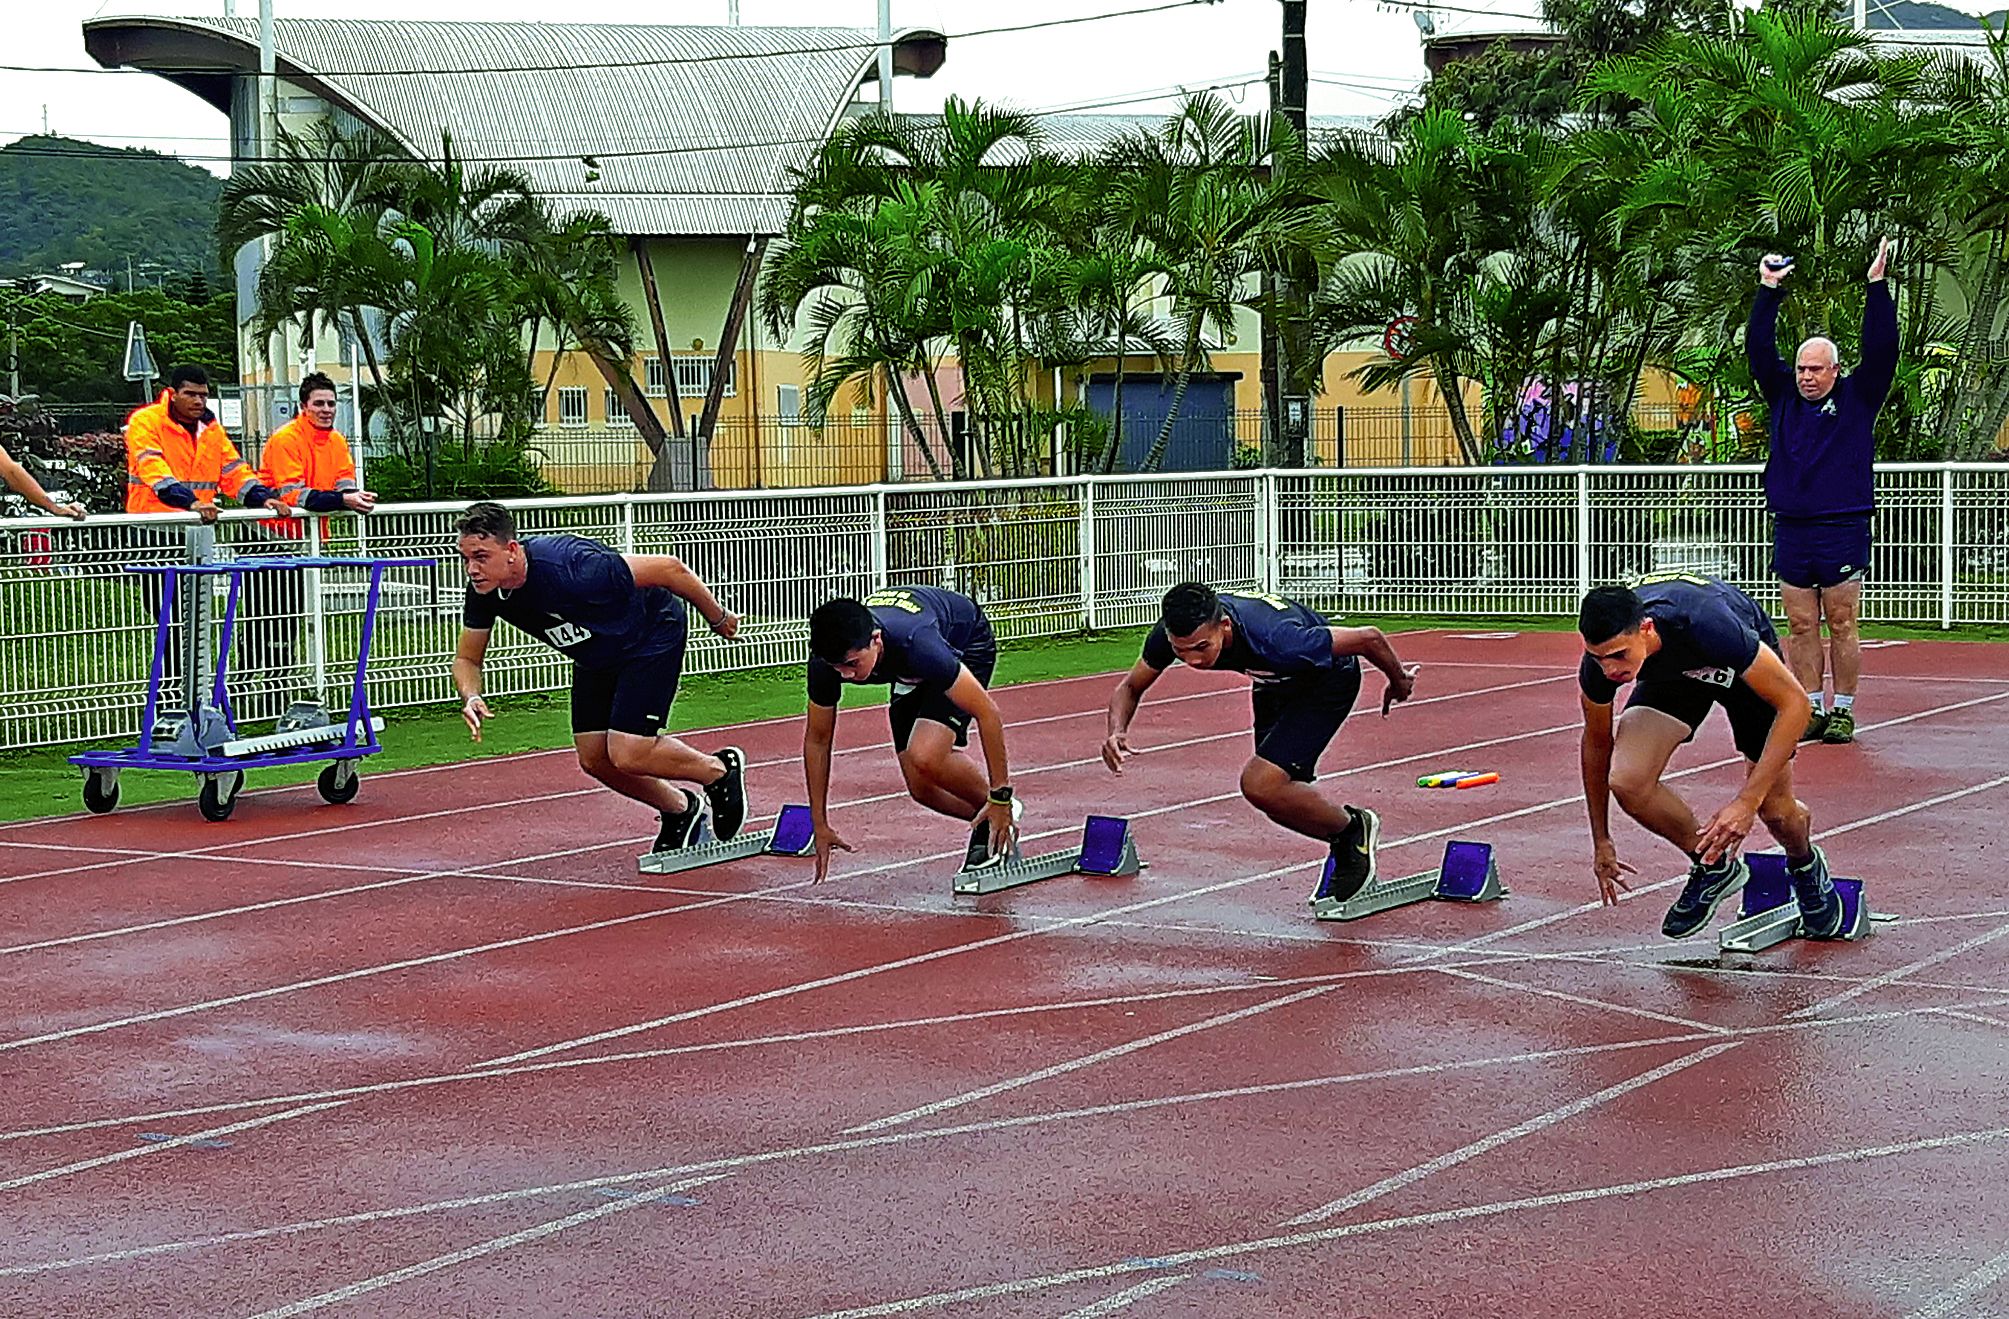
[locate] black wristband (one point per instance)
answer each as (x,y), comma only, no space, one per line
(1001,796)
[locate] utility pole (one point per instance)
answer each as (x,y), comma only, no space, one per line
(13,354)
(1289,410)
(886,56)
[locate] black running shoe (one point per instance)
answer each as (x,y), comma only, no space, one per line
(1705,890)
(1821,910)
(1353,856)
(728,795)
(1817,727)
(978,856)
(680,829)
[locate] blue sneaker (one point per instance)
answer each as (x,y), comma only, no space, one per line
(1706,888)
(1821,910)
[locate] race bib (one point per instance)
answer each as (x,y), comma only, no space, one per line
(1714,677)
(563,634)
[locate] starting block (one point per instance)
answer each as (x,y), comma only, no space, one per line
(1107,849)
(1769,914)
(794,834)
(1469,874)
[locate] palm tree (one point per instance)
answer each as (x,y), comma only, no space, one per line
(1195,189)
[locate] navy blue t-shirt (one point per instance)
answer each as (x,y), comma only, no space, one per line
(581,598)
(1273,639)
(1822,453)
(928,633)
(1709,632)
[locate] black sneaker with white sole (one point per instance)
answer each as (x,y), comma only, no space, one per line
(1705,890)
(978,856)
(728,795)
(1821,909)
(681,829)
(1354,855)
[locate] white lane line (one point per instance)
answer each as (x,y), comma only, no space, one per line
(736,1162)
(141,1151)
(489,1247)
(1580,1000)
(1505,1136)
(1468,1213)
(1960,1293)
(1126,1298)
(1125,1049)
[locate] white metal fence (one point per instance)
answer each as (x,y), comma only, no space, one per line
(1046,557)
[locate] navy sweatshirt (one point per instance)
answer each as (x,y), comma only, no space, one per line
(1821,451)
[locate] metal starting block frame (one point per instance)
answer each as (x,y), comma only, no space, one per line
(794,834)
(1107,850)
(1769,914)
(1469,874)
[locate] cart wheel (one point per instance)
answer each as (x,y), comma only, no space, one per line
(101,791)
(340,783)
(218,797)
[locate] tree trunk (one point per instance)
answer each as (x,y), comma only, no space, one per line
(1164,440)
(896,392)
(1461,425)
(941,419)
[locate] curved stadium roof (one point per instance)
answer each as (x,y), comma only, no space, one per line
(712,142)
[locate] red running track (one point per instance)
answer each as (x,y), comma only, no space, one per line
(444,1051)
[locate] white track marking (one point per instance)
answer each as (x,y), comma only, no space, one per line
(1960,1293)
(1487,1144)
(1087,1060)
(1468,1213)
(489,1247)
(1579,999)
(141,1151)
(1128,1297)
(736,1162)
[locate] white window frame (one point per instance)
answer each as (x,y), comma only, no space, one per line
(617,416)
(694,374)
(572,404)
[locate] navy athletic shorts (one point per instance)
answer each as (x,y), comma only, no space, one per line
(1297,718)
(1816,553)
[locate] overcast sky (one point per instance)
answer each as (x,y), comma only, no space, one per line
(1370,46)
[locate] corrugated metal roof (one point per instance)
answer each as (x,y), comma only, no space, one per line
(712,143)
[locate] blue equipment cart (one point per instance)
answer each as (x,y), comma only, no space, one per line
(205,740)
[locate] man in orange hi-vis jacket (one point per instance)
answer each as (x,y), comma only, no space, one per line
(308,464)
(178,458)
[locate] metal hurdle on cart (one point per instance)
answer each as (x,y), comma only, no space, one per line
(204,739)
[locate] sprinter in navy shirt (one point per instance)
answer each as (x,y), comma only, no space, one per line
(1307,675)
(1820,482)
(1689,643)
(936,650)
(621,620)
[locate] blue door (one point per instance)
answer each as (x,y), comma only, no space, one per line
(1203,434)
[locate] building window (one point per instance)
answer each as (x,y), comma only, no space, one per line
(788,404)
(694,376)
(571,406)
(617,416)
(655,383)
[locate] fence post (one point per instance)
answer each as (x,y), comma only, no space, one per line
(879,540)
(1946,547)
(1583,531)
(1085,541)
(317,625)
(628,526)
(1266,532)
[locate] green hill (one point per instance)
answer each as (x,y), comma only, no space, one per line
(63,200)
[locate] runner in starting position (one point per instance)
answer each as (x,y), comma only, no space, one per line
(1307,675)
(621,620)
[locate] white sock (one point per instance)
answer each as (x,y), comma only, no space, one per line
(1844,702)
(1820,701)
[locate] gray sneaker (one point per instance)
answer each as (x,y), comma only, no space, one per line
(1821,910)
(1706,888)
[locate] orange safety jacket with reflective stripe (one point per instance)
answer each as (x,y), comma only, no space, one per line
(300,457)
(160,451)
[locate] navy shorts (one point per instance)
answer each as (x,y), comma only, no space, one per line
(1688,700)
(931,701)
(633,697)
(1818,553)
(1297,718)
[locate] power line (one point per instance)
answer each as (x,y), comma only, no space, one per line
(660,62)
